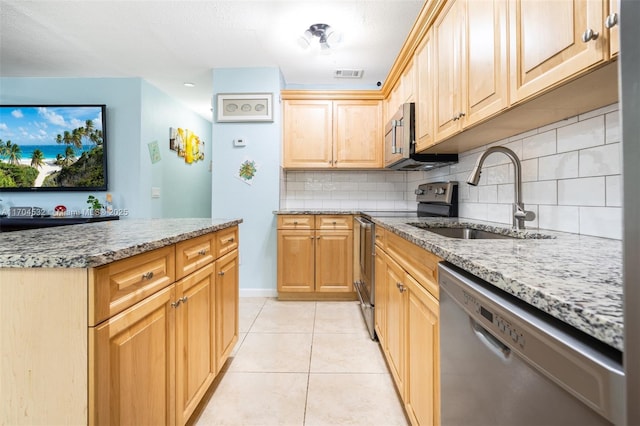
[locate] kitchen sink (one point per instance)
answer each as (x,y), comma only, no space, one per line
(466,233)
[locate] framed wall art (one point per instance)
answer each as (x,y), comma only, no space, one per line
(245,107)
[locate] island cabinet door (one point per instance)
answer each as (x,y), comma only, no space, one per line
(132,365)
(226,307)
(195,340)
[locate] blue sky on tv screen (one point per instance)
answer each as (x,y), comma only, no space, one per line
(26,126)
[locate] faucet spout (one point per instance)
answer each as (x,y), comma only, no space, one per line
(519,213)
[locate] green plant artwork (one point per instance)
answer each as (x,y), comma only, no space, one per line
(247,170)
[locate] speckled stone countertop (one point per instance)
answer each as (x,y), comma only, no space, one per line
(95,244)
(325,211)
(575,278)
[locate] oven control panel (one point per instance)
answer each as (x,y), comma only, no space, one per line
(436,192)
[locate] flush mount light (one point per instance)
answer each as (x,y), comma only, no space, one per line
(328,37)
(187,84)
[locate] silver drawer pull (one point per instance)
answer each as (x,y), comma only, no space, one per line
(176,303)
(183,299)
(147,276)
(221,273)
(230,240)
(202,252)
(401,287)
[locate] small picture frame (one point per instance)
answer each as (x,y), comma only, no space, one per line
(244,107)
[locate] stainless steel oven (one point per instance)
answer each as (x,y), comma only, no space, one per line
(435,199)
(364,285)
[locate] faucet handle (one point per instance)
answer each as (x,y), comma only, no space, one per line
(521,213)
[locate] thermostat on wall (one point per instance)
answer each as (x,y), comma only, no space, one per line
(240,142)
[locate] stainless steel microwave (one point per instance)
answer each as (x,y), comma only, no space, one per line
(400,144)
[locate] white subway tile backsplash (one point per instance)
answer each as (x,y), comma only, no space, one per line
(601,160)
(499,174)
(506,193)
(488,194)
(600,111)
(582,192)
(612,127)
(559,218)
(541,192)
(601,222)
(613,187)
(583,134)
(500,213)
(529,170)
(539,145)
(558,124)
(559,166)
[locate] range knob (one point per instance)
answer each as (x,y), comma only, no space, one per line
(419,191)
(440,191)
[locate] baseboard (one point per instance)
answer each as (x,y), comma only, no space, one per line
(258,292)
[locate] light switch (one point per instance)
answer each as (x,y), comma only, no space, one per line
(155,192)
(240,142)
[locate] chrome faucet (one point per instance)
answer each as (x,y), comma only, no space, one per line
(519,213)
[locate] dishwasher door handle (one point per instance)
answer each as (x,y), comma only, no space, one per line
(490,341)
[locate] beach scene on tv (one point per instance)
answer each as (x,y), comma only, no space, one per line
(51,147)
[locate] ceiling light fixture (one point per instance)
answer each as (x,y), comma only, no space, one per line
(328,37)
(187,84)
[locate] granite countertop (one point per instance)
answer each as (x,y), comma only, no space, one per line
(575,278)
(308,211)
(95,244)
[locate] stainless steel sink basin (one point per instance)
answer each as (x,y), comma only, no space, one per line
(466,233)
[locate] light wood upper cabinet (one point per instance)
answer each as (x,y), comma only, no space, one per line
(612,25)
(485,60)
(308,134)
(357,141)
(448,39)
(547,45)
(425,99)
(471,64)
(332,134)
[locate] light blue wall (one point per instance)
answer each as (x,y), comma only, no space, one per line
(137,113)
(185,189)
(255,203)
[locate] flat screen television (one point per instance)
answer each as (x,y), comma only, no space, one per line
(53,148)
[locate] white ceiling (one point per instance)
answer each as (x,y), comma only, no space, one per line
(169,42)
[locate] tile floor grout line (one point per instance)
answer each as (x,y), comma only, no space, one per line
(313,330)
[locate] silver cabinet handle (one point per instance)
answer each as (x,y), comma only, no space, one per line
(611,21)
(184,299)
(462,114)
(147,276)
(176,303)
(589,35)
(401,287)
(458,116)
(221,273)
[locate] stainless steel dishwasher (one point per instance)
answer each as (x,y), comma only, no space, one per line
(504,362)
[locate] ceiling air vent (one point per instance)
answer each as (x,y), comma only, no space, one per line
(348,73)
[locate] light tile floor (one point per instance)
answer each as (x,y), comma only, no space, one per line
(303,363)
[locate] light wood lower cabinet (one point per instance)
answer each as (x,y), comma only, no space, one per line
(407,314)
(133,365)
(226,306)
(315,257)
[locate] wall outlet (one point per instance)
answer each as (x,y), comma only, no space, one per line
(155,192)
(240,142)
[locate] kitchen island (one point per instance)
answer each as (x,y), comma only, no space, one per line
(111,322)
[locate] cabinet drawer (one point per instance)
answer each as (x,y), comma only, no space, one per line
(194,253)
(226,241)
(334,222)
(421,264)
(119,285)
(296,221)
